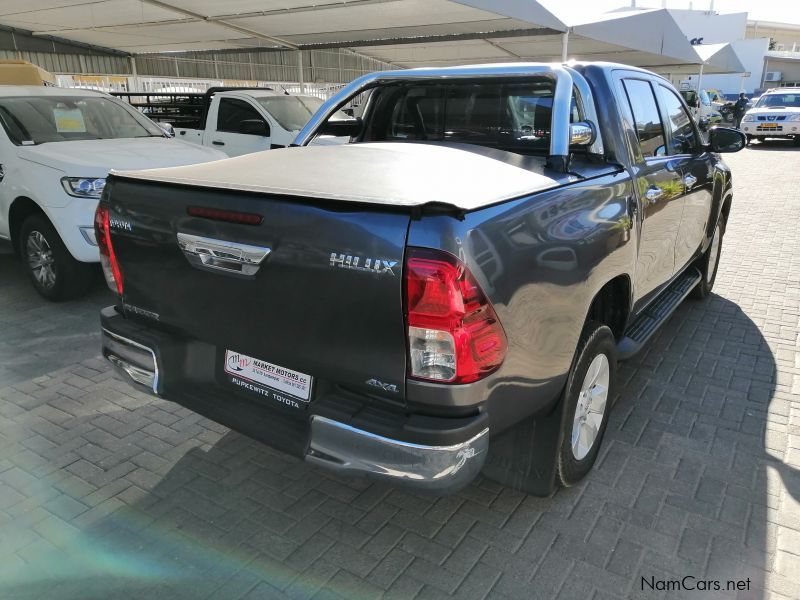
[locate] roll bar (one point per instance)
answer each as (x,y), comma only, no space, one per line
(565,79)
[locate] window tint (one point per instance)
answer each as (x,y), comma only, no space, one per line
(512,116)
(682,135)
(646,117)
(233,113)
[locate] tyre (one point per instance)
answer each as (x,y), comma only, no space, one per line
(796,141)
(587,396)
(749,139)
(52,270)
(709,262)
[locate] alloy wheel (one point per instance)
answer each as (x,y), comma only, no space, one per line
(591,407)
(40,259)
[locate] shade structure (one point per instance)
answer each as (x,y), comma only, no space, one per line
(719,58)
(403,33)
(145,26)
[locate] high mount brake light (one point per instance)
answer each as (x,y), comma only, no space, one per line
(454,335)
(108,259)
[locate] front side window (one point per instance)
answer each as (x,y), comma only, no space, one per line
(42,119)
(681,138)
(237,116)
(646,118)
(514,116)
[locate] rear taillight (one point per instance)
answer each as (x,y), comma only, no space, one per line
(454,335)
(108,259)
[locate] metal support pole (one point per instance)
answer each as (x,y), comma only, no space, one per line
(300,71)
(564,45)
(700,79)
(134,76)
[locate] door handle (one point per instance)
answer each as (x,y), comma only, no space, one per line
(221,255)
(218,143)
(653,193)
(689,180)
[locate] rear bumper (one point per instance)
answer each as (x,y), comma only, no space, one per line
(447,455)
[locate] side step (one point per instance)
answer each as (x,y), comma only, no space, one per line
(657,313)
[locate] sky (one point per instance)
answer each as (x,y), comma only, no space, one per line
(783,11)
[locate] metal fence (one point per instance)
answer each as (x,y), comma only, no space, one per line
(320,67)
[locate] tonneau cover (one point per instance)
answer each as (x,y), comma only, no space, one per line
(391,173)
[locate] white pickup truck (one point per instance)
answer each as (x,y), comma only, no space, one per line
(56,147)
(235,120)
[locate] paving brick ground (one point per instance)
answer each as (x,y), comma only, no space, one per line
(106,493)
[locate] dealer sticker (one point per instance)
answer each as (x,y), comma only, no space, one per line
(272,376)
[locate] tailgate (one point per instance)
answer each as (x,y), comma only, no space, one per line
(303,319)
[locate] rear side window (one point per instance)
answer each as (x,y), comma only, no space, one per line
(681,136)
(233,113)
(646,118)
(512,116)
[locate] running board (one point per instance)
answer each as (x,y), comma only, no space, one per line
(657,313)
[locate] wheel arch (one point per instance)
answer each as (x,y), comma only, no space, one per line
(611,305)
(21,208)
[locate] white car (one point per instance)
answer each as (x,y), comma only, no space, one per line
(56,147)
(776,114)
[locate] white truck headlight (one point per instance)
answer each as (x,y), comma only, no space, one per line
(793,117)
(749,118)
(84,187)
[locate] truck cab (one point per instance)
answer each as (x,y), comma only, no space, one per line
(235,121)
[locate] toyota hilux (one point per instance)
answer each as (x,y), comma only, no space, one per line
(448,294)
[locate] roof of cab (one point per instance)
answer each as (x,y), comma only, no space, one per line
(42,90)
(511,68)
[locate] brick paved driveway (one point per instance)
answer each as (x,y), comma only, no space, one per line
(105,493)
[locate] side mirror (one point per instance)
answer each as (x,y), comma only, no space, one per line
(581,133)
(167,128)
(342,127)
(254,127)
(726,139)
(702,124)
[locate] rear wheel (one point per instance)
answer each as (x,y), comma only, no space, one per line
(588,395)
(709,262)
(52,270)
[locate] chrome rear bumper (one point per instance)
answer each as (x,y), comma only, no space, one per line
(136,362)
(439,469)
(337,446)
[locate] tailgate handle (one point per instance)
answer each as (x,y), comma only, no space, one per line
(232,258)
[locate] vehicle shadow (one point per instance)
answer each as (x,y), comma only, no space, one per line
(704,399)
(685,486)
(37,336)
(771,145)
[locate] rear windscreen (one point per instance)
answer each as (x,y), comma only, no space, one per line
(511,116)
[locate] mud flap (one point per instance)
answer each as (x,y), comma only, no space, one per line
(524,457)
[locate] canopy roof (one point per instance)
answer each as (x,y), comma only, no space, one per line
(405,33)
(722,57)
(178,25)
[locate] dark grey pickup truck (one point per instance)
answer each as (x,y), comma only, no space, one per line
(447,294)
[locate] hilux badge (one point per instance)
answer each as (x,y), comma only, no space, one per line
(370,265)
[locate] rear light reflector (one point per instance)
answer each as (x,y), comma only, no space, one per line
(454,335)
(108,258)
(218,214)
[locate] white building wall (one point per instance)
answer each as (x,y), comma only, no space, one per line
(704,27)
(751,54)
